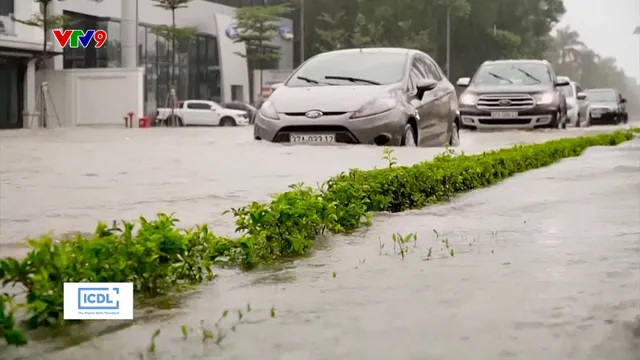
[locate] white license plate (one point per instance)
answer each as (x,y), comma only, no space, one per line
(595,115)
(504,115)
(312,138)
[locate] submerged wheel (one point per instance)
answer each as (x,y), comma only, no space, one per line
(454,140)
(409,137)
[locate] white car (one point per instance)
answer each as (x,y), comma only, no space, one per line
(577,103)
(201,113)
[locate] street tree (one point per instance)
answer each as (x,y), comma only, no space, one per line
(175,35)
(46,21)
(256,27)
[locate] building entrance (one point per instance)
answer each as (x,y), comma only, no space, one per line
(12,71)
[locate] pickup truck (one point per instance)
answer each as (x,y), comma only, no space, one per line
(201,113)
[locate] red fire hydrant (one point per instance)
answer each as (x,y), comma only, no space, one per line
(144,122)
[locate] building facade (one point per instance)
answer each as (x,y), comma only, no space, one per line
(207,67)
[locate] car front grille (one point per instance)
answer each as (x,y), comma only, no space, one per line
(343,135)
(505,102)
(519,121)
(329,113)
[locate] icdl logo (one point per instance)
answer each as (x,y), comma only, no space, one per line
(286,33)
(232,32)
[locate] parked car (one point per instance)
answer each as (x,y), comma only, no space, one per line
(381,96)
(201,113)
(577,103)
(236,105)
(513,94)
(607,106)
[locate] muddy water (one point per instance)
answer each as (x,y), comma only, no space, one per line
(67,179)
(553,275)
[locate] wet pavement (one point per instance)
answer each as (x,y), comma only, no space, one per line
(546,265)
(66,180)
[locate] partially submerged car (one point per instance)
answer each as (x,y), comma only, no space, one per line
(607,106)
(513,94)
(381,96)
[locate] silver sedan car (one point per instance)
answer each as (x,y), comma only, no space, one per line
(381,96)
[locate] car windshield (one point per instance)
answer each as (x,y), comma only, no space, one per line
(601,96)
(512,74)
(351,68)
(567,90)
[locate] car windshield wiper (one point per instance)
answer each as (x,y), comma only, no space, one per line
(310,81)
(499,77)
(529,75)
(352,79)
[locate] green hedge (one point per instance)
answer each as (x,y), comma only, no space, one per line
(156,255)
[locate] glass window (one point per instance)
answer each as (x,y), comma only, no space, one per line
(152,47)
(506,73)
(567,90)
(198,106)
(603,95)
(142,42)
(113,45)
(163,49)
(212,51)
(434,69)
(379,67)
(162,83)
(7,7)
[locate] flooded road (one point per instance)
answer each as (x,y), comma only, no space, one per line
(67,179)
(545,265)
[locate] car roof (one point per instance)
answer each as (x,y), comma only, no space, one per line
(388,50)
(603,89)
(516,61)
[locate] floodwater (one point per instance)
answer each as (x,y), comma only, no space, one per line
(545,265)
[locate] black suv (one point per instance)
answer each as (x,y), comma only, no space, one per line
(607,106)
(520,94)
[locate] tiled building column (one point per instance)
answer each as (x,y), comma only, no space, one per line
(29,113)
(129,34)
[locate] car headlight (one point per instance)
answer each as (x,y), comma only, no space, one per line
(267,110)
(375,107)
(468,99)
(546,98)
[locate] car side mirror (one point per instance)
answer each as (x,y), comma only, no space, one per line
(623,101)
(425,85)
(581,96)
(560,83)
(463,82)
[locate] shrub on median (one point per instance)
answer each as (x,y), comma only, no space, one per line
(157,256)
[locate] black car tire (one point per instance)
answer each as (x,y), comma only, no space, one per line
(625,118)
(579,121)
(555,120)
(616,119)
(227,121)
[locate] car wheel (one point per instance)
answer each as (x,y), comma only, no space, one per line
(173,120)
(227,121)
(555,120)
(409,136)
(616,120)
(454,140)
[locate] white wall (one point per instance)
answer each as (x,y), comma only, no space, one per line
(94,97)
(18,35)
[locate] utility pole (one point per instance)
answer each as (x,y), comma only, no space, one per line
(449,42)
(301,31)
